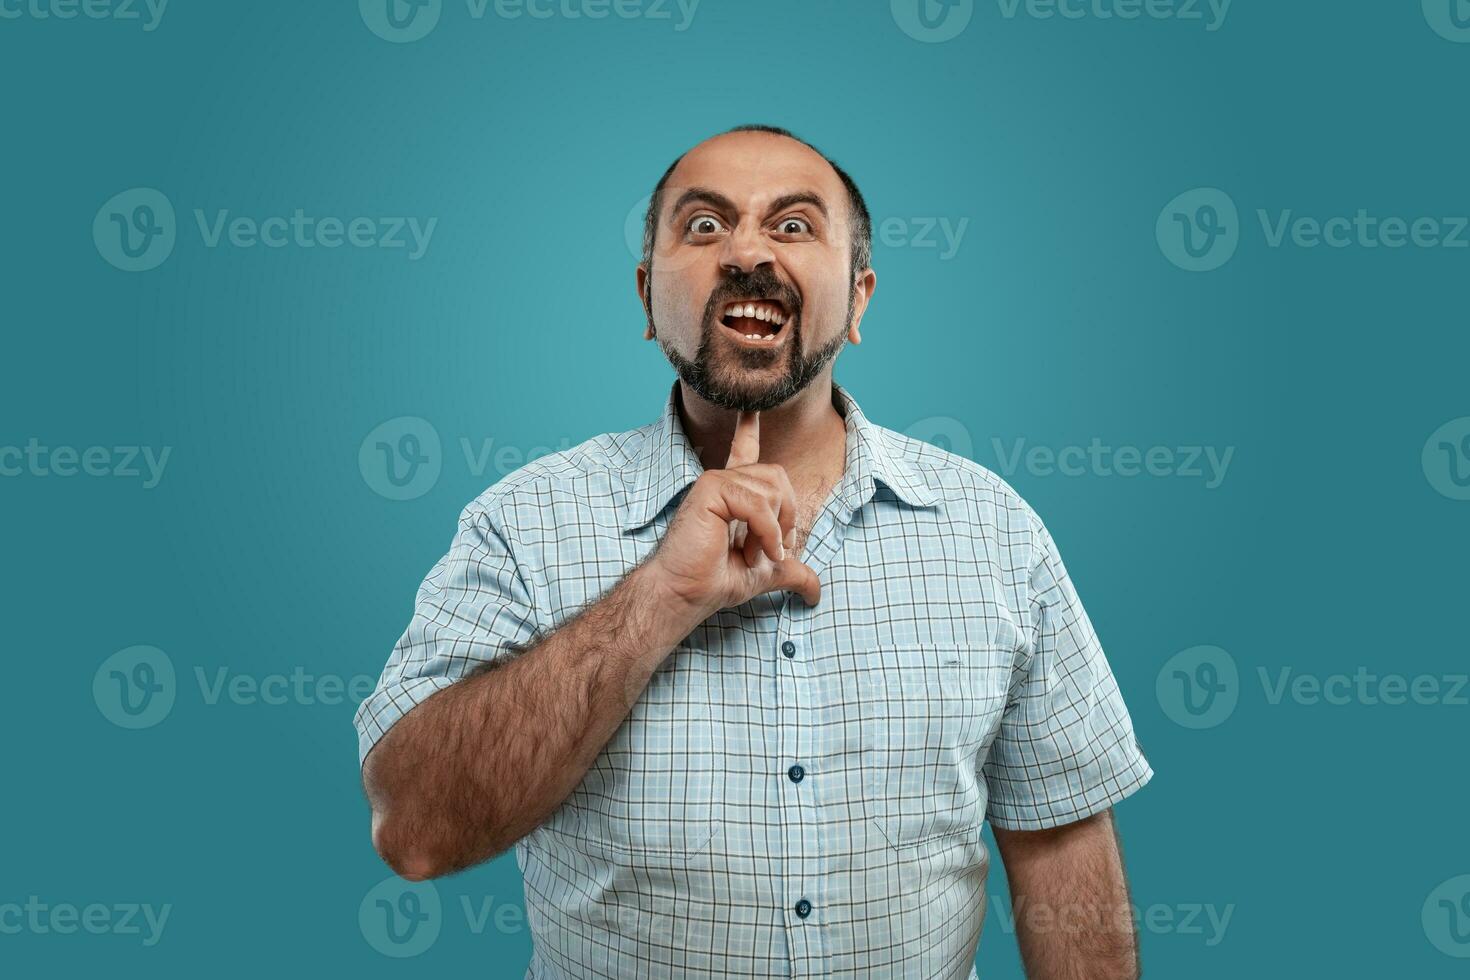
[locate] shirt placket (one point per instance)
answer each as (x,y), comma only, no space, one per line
(802,787)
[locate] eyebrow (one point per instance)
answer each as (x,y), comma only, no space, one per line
(722,203)
(801,197)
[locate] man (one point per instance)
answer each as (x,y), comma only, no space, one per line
(742,685)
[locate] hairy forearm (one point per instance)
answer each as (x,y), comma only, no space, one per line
(479,765)
(1069,894)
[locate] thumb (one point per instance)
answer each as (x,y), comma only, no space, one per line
(791,575)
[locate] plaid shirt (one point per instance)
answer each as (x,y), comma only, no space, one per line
(800,790)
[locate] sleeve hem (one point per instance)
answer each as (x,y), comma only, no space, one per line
(1100,798)
(387,706)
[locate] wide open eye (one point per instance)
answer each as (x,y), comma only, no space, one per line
(705,224)
(794,226)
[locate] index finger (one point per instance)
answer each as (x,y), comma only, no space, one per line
(745,447)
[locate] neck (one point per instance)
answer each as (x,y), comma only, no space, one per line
(803,433)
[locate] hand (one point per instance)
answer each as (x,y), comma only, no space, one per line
(728,540)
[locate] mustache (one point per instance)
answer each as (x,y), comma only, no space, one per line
(760,284)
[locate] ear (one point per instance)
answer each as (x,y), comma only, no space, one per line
(863,287)
(645,285)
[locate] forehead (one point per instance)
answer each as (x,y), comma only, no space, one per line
(753,168)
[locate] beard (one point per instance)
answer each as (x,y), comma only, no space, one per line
(715,374)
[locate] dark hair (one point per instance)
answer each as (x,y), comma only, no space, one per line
(862,223)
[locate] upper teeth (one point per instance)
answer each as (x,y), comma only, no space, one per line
(758,311)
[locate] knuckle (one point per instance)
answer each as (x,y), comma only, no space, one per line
(735,489)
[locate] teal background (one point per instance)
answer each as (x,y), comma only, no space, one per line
(264,550)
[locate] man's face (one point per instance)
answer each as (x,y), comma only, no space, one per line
(751,292)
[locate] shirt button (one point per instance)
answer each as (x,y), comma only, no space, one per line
(803,908)
(788,648)
(796,773)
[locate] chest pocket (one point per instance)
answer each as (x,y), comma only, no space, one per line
(934,711)
(650,793)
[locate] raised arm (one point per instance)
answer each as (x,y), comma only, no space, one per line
(1070,901)
(483,762)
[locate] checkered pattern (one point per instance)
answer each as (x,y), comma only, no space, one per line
(949,674)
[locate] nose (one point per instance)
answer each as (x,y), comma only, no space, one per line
(745,249)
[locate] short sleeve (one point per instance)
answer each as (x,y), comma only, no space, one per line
(473,608)
(1066,748)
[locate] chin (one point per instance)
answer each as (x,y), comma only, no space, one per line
(749,395)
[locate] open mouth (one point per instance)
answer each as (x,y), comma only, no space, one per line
(755,321)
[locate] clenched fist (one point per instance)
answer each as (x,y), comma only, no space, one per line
(728,540)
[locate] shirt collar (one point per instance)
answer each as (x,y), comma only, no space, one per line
(667,463)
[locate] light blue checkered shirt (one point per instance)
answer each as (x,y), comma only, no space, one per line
(799,791)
